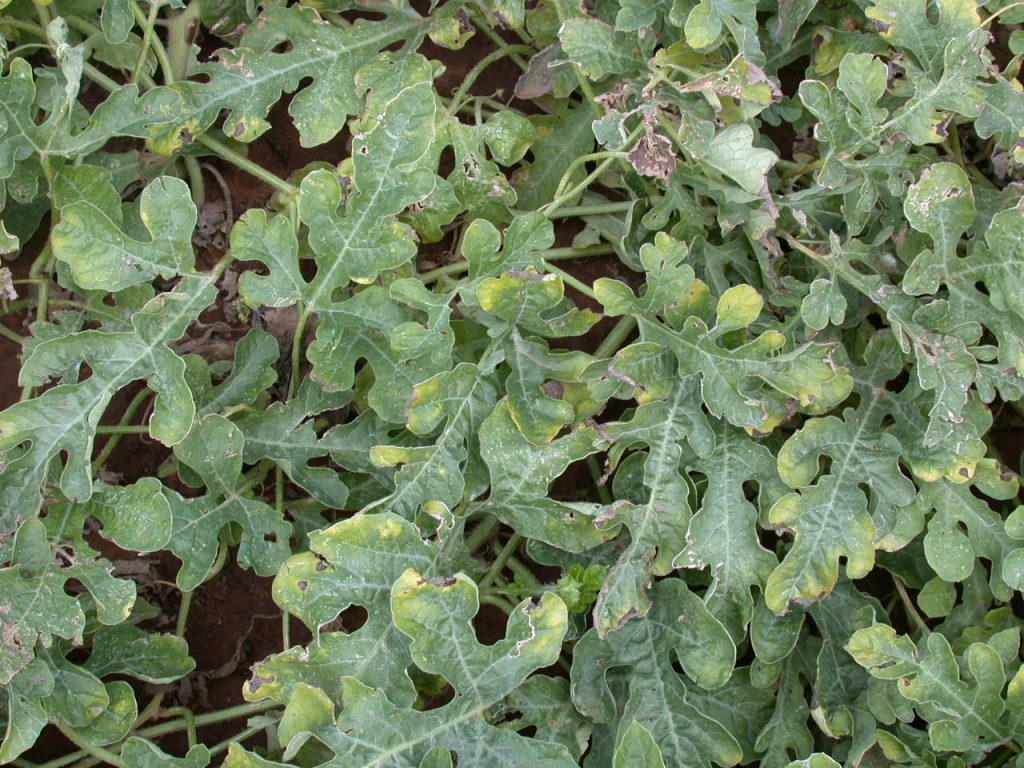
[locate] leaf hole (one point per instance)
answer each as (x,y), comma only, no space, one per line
(489,624)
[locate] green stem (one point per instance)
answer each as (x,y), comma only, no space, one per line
(609,156)
(908,607)
(252,730)
(43,12)
(478,69)
(489,598)
(21,304)
(616,337)
(158,46)
(211,718)
(126,429)
(499,562)
(40,266)
(10,335)
(152,710)
(129,413)
(23,26)
(568,279)
(195,180)
(222,551)
(100,753)
(591,210)
(495,38)
(602,488)
(552,254)
(300,332)
(183,609)
(286,630)
(178,40)
(524,574)
(147,40)
(190,722)
(482,533)
(240,161)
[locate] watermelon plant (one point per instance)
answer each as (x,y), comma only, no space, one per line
(618,384)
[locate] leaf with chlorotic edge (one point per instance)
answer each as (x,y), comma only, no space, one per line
(723,533)
(678,626)
(214,450)
(536,386)
(638,748)
(521,473)
(102,255)
(657,527)
(458,402)
(807,374)
(961,714)
(249,79)
(353,562)
(116,360)
(373,326)
(963,527)
(435,613)
(829,514)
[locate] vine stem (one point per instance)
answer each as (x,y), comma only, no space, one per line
(478,69)
(908,607)
(591,210)
(10,335)
(607,157)
(147,41)
(602,488)
(102,754)
(616,337)
(156,43)
(211,718)
(498,41)
(115,437)
(123,429)
(499,562)
(523,573)
(242,162)
(183,609)
(568,279)
(482,533)
(552,254)
(252,730)
(497,602)
(190,722)
(300,332)
(17,306)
